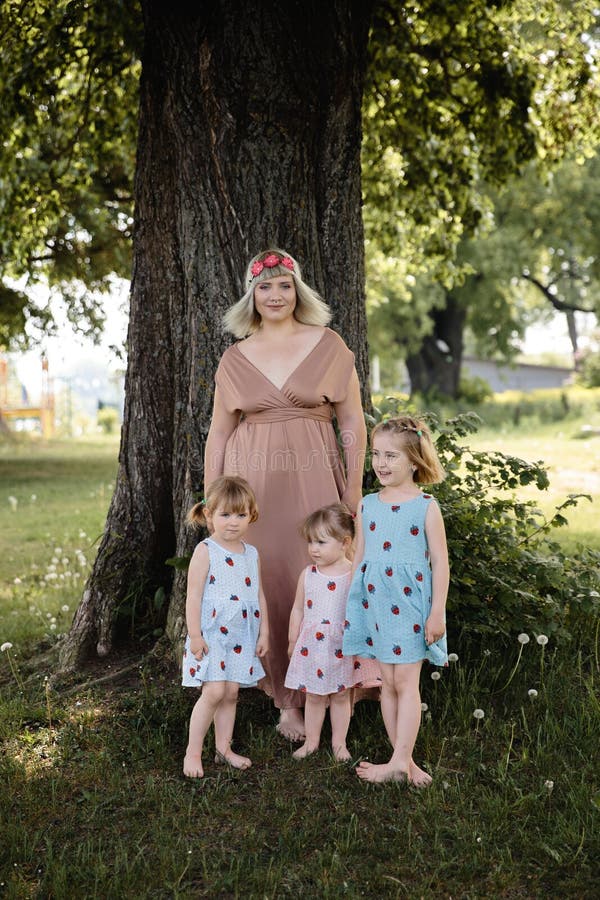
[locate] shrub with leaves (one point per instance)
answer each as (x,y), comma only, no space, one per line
(507,574)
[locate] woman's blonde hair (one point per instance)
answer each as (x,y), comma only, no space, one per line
(419,447)
(242,319)
(335,520)
(230,493)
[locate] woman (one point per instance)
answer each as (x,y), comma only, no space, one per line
(276,393)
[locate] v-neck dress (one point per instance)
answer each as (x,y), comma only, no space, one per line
(285,446)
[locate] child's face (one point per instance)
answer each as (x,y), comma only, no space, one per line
(227,525)
(390,460)
(324,549)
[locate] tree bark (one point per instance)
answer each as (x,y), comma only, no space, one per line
(436,367)
(250,135)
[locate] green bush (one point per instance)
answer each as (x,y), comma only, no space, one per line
(507,574)
(108,419)
(589,376)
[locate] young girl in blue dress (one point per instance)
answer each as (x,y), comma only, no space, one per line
(396,605)
(226,619)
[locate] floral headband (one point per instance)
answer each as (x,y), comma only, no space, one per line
(269,262)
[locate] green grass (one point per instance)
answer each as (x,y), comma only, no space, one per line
(95,805)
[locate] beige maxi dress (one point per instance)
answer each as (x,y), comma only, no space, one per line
(285,446)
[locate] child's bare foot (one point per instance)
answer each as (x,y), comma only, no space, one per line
(291,724)
(229,758)
(418,777)
(305,750)
(380,773)
(341,753)
(192,766)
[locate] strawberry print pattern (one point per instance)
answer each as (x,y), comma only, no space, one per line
(390,595)
(317,664)
(230,620)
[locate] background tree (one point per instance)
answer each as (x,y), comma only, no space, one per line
(249,132)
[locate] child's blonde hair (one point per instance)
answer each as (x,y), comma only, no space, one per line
(419,447)
(230,493)
(242,319)
(335,520)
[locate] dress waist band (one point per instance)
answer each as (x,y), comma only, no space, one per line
(322,413)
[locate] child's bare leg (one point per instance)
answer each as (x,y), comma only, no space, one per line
(314,715)
(340,710)
(224,723)
(403,680)
(203,714)
(389,712)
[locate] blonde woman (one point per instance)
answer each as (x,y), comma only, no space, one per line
(277,393)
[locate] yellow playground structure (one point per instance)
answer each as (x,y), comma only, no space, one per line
(14,401)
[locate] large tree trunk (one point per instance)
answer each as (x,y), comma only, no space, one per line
(249,135)
(436,366)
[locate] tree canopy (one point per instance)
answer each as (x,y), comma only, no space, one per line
(457,94)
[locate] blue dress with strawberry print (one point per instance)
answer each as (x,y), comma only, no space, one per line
(390,595)
(230,620)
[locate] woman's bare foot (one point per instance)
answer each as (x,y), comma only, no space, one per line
(291,724)
(418,777)
(229,758)
(342,754)
(192,766)
(380,773)
(305,750)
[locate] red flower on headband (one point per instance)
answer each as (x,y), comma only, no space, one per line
(271,261)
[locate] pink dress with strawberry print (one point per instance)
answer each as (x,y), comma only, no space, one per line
(390,595)
(230,620)
(317,665)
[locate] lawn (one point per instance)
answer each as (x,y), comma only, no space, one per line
(95,805)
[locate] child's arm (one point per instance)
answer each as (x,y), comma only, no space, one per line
(359,539)
(197,572)
(296,615)
(435,626)
(262,643)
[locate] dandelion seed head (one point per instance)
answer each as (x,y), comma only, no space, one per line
(542,639)
(65,560)
(5,646)
(33,498)
(13,503)
(58,551)
(532,693)
(53,626)
(424,707)
(549,785)
(64,608)
(453,657)
(478,714)
(523,638)
(435,676)
(17,581)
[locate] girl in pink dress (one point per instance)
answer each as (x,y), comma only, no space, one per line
(317,666)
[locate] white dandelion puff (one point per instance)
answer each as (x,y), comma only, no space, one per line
(453,657)
(532,693)
(542,639)
(523,638)
(435,676)
(478,714)
(5,646)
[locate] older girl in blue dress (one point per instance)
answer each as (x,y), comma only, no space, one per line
(396,605)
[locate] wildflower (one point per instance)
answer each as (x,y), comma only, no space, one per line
(453,657)
(542,640)
(478,714)
(64,608)
(523,638)
(17,581)
(82,534)
(435,676)
(487,652)
(33,498)
(532,693)
(13,503)
(5,646)
(65,561)
(53,626)
(549,785)
(424,707)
